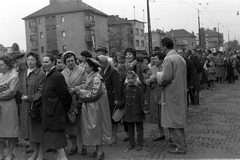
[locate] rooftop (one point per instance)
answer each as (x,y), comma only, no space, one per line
(179,33)
(66,6)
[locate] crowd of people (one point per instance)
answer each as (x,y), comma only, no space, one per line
(79,98)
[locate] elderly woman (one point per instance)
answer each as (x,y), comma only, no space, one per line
(111,78)
(95,116)
(56,102)
(33,80)
(74,76)
(9,123)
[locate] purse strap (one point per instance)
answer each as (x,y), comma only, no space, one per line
(31,105)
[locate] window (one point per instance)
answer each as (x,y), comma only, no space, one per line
(40,21)
(32,24)
(136,31)
(46,17)
(142,32)
(89,17)
(64,48)
(42,49)
(142,43)
(137,43)
(63,34)
(62,19)
(41,35)
(33,37)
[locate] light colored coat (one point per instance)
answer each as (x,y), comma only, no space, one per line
(9,123)
(74,78)
(174,97)
(95,116)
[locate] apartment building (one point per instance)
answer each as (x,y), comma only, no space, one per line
(125,33)
(66,25)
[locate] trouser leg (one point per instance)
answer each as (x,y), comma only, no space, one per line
(139,126)
(131,133)
(178,137)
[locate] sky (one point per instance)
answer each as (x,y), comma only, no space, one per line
(165,15)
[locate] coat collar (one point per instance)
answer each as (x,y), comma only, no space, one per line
(171,52)
(51,71)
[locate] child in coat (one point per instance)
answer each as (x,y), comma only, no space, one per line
(135,104)
(211,73)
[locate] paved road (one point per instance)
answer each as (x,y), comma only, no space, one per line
(213,132)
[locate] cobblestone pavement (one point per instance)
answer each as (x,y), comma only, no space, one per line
(213,132)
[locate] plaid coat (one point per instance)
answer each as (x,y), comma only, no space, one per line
(32,87)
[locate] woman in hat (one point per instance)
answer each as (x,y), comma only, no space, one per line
(111,79)
(95,116)
(74,76)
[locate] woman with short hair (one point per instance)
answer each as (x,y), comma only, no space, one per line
(9,122)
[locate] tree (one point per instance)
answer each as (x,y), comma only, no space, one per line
(120,36)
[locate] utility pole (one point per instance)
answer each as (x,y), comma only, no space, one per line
(134,12)
(228,39)
(149,29)
(199,32)
(218,39)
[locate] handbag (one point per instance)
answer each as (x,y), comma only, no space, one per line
(18,97)
(118,114)
(72,116)
(34,111)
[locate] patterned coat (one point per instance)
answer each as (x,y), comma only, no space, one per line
(32,87)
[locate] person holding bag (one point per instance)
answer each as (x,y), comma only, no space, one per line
(95,116)
(9,122)
(31,129)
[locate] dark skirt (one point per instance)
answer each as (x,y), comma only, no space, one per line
(55,140)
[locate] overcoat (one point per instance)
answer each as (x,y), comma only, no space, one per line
(56,102)
(74,78)
(111,79)
(135,103)
(155,96)
(32,87)
(174,82)
(9,123)
(95,116)
(220,68)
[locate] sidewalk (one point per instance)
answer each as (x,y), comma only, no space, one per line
(213,132)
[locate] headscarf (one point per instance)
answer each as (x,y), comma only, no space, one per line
(137,81)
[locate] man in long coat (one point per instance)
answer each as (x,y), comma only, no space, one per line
(173,78)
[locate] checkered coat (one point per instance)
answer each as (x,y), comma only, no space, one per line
(32,87)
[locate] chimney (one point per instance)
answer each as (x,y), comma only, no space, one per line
(215,29)
(126,19)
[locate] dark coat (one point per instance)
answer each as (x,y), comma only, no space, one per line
(192,75)
(111,78)
(56,102)
(135,104)
(196,63)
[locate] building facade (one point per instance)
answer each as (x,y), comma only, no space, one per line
(182,39)
(214,39)
(157,37)
(66,25)
(125,33)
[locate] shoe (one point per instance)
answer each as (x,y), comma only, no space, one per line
(72,152)
(29,151)
(125,139)
(50,150)
(94,154)
(177,151)
(138,148)
(84,151)
(159,138)
(172,144)
(100,157)
(130,147)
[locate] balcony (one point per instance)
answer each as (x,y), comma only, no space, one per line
(33,29)
(34,43)
(89,23)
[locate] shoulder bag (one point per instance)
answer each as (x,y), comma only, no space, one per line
(34,112)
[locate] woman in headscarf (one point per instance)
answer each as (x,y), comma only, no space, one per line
(95,116)
(111,78)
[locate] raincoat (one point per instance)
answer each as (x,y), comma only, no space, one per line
(95,116)
(173,78)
